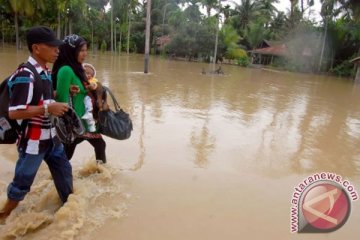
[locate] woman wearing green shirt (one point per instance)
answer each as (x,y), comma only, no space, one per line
(69,81)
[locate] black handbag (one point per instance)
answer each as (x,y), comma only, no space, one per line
(116,124)
(68,126)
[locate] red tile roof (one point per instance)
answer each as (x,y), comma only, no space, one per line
(163,40)
(278,50)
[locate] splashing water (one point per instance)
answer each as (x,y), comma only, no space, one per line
(97,197)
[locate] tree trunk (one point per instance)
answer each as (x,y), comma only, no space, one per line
(163,20)
(357,66)
(115,38)
(66,28)
(216,43)
(17,31)
(112,26)
(147,37)
(302,7)
(332,59)
(92,38)
(216,38)
(128,34)
(120,42)
(70,27)
(58,29)
(3,33)
(323,47)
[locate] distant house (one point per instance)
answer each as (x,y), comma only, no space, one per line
(267,43)
(268,51)
(162,41)
(356,61)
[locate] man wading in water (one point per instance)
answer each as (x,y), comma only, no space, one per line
(38,140)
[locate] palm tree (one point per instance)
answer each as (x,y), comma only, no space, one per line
(352,7)
(327,13)
(230,39)
(112,25)
(23,7)
(245,13)
(132,5)
(61,5)
(309,4)
(293,4)
(268,9)
(255,34)
(209,4)
(278,26)
(177,18)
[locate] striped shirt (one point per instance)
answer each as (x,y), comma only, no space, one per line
(39,129)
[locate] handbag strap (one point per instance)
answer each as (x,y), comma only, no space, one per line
(116,104)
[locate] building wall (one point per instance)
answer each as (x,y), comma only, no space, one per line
(357,77)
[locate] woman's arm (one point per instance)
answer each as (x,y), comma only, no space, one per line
(64,79)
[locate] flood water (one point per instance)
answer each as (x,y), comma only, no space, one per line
(210,157)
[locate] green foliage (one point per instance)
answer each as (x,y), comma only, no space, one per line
(103,46)
(230,36)
(235,53)
(255,34)
(277,29)
(245,13)
(193,37)
(192,32)
(243,61)
(344,69)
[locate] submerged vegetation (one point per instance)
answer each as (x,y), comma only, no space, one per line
(194,29)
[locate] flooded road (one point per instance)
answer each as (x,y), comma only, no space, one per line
(210,157)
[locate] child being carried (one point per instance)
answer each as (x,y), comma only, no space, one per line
(95,100)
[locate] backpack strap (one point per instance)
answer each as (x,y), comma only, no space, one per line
(38,85)
(37,90)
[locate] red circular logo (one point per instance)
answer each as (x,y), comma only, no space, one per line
(326,207)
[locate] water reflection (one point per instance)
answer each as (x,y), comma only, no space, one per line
(280,123)
(202,142)
(141,158)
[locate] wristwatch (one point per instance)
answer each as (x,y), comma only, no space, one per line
(46,110)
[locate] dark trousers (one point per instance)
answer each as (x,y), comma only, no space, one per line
(98,144)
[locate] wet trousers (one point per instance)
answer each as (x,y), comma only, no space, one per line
(98,144)
(28,165)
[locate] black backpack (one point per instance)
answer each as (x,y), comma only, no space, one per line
(10,130)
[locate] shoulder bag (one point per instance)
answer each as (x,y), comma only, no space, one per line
(115,124)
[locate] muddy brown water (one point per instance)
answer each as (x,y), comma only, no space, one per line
(210,157)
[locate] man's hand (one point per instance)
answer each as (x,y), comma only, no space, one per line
(57,108)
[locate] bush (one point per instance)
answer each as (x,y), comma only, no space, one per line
(103,46)
(235,53)
(344,69)
(243,61)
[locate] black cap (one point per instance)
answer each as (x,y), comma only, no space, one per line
(42,34)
